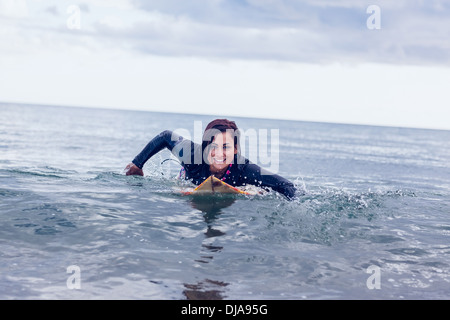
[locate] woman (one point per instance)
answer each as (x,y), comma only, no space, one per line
(218,155)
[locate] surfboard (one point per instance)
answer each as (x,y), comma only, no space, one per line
(213,185)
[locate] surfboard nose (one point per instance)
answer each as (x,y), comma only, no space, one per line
(216,184)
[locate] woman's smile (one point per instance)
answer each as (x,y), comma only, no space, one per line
(221,152)
(219,161)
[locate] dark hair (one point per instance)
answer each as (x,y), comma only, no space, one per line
(222,125)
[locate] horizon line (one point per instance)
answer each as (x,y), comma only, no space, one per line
(141,109)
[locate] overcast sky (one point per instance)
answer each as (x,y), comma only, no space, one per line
(351,61)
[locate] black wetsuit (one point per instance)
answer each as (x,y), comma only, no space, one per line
(242,172)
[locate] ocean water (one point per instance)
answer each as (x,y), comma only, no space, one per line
(372,218)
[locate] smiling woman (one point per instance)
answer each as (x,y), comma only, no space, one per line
(218,156)
(220,145)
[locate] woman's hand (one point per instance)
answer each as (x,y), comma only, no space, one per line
(133,170)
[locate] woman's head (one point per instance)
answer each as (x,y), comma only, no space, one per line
(220,143)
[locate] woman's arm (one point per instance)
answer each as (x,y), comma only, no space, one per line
(185,150)
(132,170)
(255,175)
(161,141)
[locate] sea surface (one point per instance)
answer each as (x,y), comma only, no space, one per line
(371,219)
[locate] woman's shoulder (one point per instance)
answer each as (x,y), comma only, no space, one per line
(246,165)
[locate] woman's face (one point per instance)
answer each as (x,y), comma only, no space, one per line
(221,151)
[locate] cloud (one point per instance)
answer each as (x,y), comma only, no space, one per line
(53,10)
(412,32)
(13,8)
(311,31)
(118,57)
